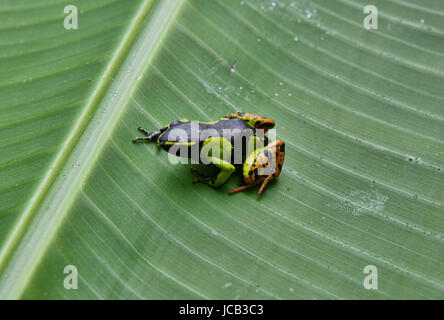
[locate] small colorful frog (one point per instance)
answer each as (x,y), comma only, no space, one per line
(259,160)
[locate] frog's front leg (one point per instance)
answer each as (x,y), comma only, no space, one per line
(262,166)
(214,151)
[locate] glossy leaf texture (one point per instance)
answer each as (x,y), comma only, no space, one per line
(361,113)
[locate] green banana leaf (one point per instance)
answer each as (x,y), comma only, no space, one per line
(361,112)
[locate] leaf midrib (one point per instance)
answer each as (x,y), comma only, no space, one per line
(50,203)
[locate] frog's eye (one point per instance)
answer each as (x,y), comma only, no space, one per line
(264,124)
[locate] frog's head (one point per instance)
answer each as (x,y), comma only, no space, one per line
(254,120)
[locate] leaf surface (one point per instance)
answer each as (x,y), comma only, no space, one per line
(361,113)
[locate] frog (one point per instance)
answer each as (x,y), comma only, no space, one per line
(245,148)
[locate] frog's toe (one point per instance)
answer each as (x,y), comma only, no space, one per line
(144,139)
(244,187)
(205,181)
(143,130)
(194,170)
(264,183)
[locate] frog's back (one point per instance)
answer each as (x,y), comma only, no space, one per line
(197,132)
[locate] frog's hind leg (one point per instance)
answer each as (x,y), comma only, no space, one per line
(144,139)
(203,175)
(143,131)
(150,135)
(226,170)
(214,150)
